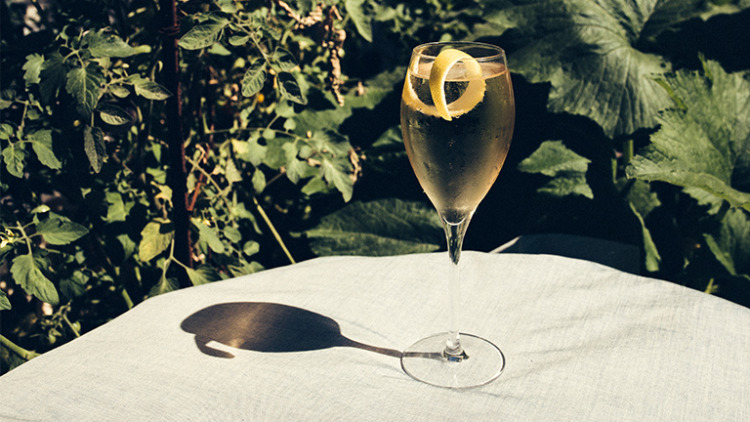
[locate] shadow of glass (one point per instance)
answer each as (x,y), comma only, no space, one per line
(268,327)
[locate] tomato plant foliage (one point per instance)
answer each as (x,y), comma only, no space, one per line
(289,113)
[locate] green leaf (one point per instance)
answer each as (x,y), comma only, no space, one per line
(75,285)
(52,77)
(150,90)
(203,34)
(155,239)
(589,53)
(355,10)
(59,230)
(652,257)
(254,78)
(118,91)
(33,68)
(114,115)
(290,89)
(730,244)
(165,285)
(283,60)
(93,144)
(378,228)
(237,40)
(115,207)
(250,151)
(4,302)
(103,44)
(202,275)
(15,159)
(567,169)
(706,145)
(209,235)
(41,142)
(85,85)
(31,279)
(336,173)
(232,173)
(258,181)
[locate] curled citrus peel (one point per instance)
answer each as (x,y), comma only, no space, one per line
(438,74)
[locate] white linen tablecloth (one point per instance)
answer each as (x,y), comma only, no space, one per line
(320,341)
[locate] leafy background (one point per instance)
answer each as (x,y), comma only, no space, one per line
(632,126)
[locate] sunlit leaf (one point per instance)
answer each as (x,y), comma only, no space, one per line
(337,174)
(592,54)
(254,78)
(85,85)
(103,44)
(14,158)
(149,89)
(284,60)
(59,230)
(41,142)
(209,235)
(566,168)
(31,279)
(258,181)
(355,9)
(383,227)
(155,239)
(114,115)
(115,207)
(165,285)
(203,34)
(705,144)
(202,275)
(33,68)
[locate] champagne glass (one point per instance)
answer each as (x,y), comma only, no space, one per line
(457,117)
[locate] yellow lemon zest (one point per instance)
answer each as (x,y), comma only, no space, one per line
(438,74)
(473,94)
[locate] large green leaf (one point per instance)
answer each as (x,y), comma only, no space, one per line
(589,50)
(704,143)
(33,67)
(155,239)
(27,275)
(203,34)
(378,228)
(102,44)
(59,230)
(362,21)
(41,143)
(85,85)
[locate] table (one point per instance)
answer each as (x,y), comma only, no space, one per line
(320,340)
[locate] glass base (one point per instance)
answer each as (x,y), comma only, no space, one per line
(481,363)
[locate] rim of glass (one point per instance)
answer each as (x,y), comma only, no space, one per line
(500,53)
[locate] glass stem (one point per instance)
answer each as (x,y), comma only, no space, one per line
(454,233)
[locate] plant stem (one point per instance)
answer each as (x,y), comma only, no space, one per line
(273,230)
(20,351)
(177,175)
(70,325)
(126,298)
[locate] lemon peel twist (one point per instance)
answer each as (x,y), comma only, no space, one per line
(443,63)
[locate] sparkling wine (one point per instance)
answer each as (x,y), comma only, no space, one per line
(457,161)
